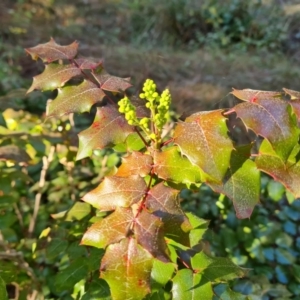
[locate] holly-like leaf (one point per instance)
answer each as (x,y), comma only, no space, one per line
(109,128)
(188,285)
(272,119)
(149,234)
(77,212)
(215,268)
(171,165)
(254,95)
(110,229)
(294,94)
(296,107)
(53,77)
(163,202)
(75,99)
(116,191)
(52,51)
(241,183)
(199,228)
(87,64)
(161,273)
(287,173)
(14,153)
(126,267)
(136,163)
(112,83)
(204,140)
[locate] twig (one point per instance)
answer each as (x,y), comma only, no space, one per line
(38,196)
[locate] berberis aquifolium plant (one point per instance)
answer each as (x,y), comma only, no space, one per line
(153,249)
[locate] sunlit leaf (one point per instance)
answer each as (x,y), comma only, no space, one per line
(241,183)
(110,229)
(254,95)
(112,83)
(52,51)
(72,99)
(77,212)
(188,285)
(296,107)
(161,273)
(116,191)
(109,128)
(203,138)
(53,77)
(14,153)
(171,165)
(136,163)
(86,63)
(126,267)
(149,234)
(163,202)
(272,119)
(199,228)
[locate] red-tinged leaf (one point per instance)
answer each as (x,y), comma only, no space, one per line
(163,202)
(116,192)
(296,107)
(287,173)
(110,229)
(109,128)
(215,268)
(75,99)
(52,51)
(126,267)
(135,163)
(171,165)
(149,234)
(254,95)
(189,285)
(14,153)
(112,83)
(272,119)
(293,94)
(53,77)
(87,64)
(203,138)
(241,183)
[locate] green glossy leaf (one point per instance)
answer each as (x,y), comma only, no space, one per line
(110,229)
(98,289)
(3,293)
(254,95)
(56,247)
(67,278)
(112,83)
(53,77)
(149,234)
(77,212)
(287,173)
(163,202)
(116,191)
(171,165)
(126,267)
(223,292)
(109,128)
(199,228)
(189,285)
(215,268)
(136,163)
(272,119)
(75,99)
(52,51)
(161,273)
(203,138)
(241,183)
(14,153)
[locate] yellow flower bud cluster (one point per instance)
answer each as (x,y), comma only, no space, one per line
(128,110)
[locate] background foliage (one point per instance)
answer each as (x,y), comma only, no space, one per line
(36,257)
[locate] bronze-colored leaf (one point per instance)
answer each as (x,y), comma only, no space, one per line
(254,95)
(112,83)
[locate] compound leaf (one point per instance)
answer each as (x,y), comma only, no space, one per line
(188,285)
(52,51)
(116,191)
(163,202)
(72,99)
(109,128)
(53,77)
(241,183)
(112,83)
(171,165)
(136,163)
(126,267)
(149,234)
(204,140)
(272,119)
(110,229)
